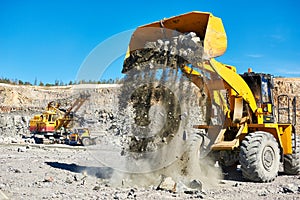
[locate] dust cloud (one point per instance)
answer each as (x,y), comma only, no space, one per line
(164,106)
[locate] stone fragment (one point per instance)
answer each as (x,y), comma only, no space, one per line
(168,184)
(48,179)
(196,184)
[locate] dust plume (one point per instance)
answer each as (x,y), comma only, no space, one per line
(164,106)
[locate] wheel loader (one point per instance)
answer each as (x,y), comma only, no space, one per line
(79,136)
(240,125)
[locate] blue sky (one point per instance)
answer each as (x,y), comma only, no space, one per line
(49,40)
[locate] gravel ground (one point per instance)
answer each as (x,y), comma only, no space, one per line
(64,172)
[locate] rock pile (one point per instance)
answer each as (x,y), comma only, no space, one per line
(172,52)
(13,126)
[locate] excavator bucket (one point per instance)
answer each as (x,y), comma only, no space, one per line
(209,28)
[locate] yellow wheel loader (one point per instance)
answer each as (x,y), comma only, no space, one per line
(79,136)
(240,124)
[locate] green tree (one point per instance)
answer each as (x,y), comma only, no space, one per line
(56,82)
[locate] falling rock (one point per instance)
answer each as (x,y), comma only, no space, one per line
(168,184)
(160,43)
(194,42)
(191,35)
(196,184)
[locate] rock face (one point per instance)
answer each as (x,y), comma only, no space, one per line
(19,103)
(291,88)
(13,124)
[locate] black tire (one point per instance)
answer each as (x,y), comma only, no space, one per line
(291,162)
(228,158)
(38,140)
(259,157)
(86,141)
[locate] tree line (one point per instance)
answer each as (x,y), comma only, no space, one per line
(58,83)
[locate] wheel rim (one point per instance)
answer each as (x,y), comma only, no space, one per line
(85,141)
(268,156)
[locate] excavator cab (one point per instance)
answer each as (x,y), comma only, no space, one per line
(261,86)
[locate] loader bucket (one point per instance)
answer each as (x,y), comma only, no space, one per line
(208,27)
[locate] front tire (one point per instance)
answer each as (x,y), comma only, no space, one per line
(86,141)
(259,157)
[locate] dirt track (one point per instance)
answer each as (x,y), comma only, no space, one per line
(48,172)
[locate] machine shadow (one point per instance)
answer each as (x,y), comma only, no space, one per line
(99,172)
(234,174)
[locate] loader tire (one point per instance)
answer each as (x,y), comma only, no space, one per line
(291,162)
(86,141)
(228,158)
(259,157)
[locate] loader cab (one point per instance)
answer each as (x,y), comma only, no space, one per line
(261,86)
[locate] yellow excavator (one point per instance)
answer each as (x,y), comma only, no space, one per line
(248,133)
(54,125)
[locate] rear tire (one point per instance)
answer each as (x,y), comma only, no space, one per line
(228,158)
(291,162)
(259,157)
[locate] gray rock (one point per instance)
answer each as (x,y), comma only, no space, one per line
(97,187)
(196,184)
(2,186)
(22,149)
(17,171)
(68,180)
(181,187)
(168,184)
